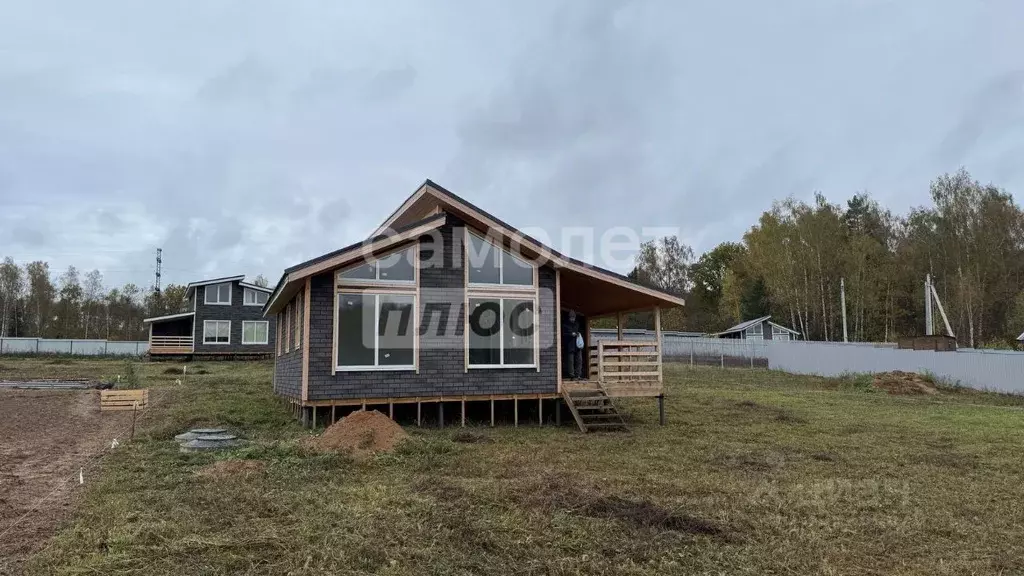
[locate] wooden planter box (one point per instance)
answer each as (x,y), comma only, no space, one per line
(123,399)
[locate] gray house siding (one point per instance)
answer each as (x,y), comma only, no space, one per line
(236,313)
(441,353)
(288,375)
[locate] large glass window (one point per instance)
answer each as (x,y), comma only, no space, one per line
(252,297)
(218,293)
(216,332)
(255,332)
(501,332)
(376,331)
(397,267)
(490,264)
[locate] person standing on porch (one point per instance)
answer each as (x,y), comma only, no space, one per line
(573,345)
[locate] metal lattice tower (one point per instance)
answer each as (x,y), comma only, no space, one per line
(159,260)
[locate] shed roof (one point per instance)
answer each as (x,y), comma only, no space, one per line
(168,317)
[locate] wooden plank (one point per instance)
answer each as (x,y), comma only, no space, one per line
(558,328)
(305,340)
(653,374)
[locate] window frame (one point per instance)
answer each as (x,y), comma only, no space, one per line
(206,343)
(245,296)
(378,288)
(266,339)
(501,333)
(376,366)
(500,285)
(206,294)
(415,247)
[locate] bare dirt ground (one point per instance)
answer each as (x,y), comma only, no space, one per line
(45,438)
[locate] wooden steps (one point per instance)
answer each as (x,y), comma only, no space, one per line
(593,410)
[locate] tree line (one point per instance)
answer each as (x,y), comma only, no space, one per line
(792,263)
(34,304)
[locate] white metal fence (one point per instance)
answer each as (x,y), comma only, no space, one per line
(996,370)
(72,347)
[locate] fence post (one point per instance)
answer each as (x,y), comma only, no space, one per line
(722,352)
(691,353)
(37,345)
(71,348)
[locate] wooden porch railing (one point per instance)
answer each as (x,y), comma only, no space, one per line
(170,344)
(626,362)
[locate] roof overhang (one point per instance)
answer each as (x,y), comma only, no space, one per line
(168,317)
(295,277)
(193,285)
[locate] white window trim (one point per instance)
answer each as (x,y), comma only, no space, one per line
(376,366)
(501,267)
(501,332)
(367,282)
(267,332)
(206,294)
(205,343)
(245,299)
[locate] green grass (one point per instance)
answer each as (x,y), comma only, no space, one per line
(756,472)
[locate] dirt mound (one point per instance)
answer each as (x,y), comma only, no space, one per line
(903,383)
(227,468)
(361,433)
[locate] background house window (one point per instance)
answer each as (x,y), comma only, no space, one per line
(216,332)
(254,297)
(218,293)
(490,264)
(501,333)
(255,332)
(376,331)
(396,267)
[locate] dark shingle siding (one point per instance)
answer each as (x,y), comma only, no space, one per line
(236,313)
(442,368)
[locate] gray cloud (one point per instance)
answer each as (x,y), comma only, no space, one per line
(243,138)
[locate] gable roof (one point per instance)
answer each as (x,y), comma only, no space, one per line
(747,324)
(430,196)
(427,209)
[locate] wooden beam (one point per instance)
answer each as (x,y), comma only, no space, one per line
(618,324)
(540,411)
(657,337)
(492,412)
(558,328)
(516,410)
(419,413)
(305,340)
(463,412)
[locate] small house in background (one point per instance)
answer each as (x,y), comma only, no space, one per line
(758,329)
(226,320)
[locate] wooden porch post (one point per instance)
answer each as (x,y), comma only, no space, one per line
(600,360)
(618,323)
(657,336)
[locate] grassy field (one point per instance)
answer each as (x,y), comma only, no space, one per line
(756,473)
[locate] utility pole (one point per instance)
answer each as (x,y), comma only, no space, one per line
(928,330)
(842,299)
(159,260)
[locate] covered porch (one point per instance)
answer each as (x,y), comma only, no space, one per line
(171,335)
(611,368)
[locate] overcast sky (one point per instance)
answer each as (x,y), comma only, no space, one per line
(243,137)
